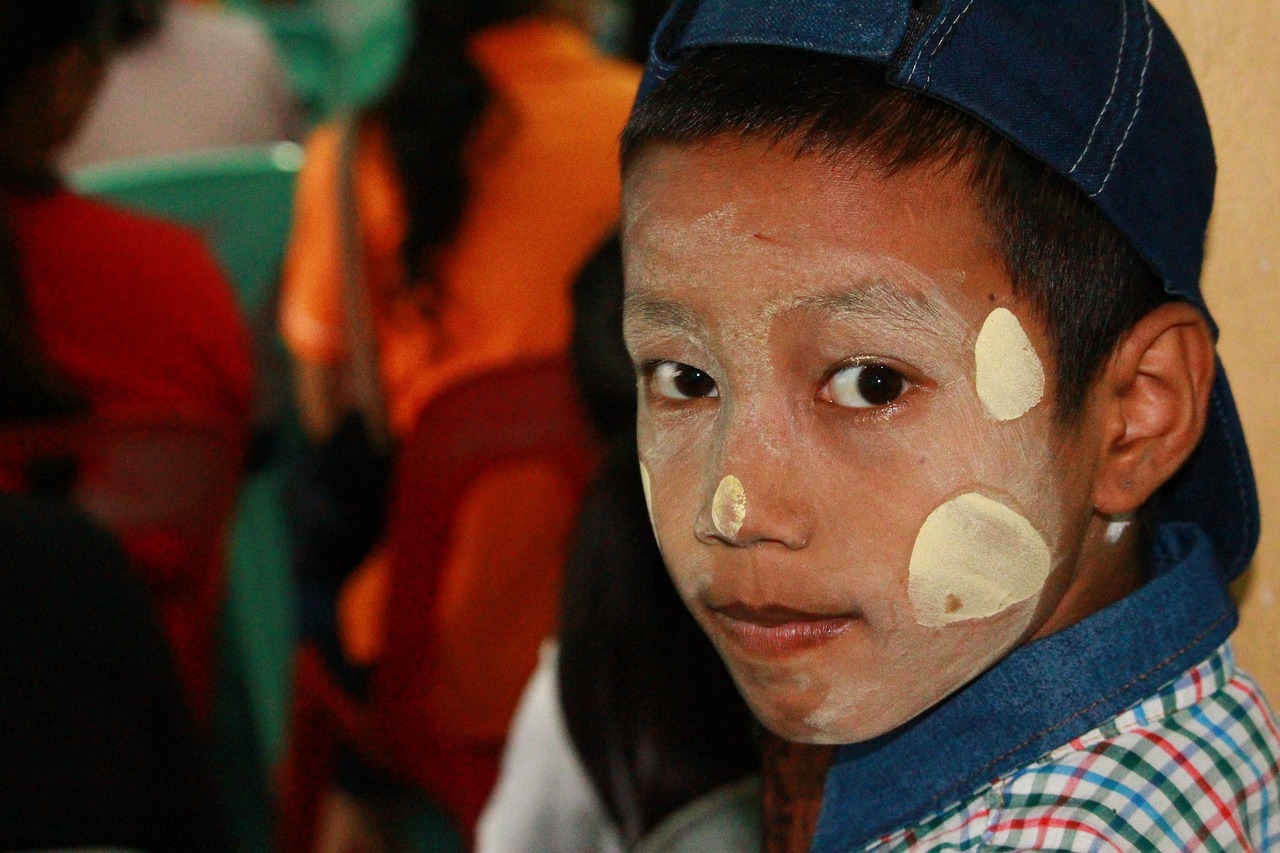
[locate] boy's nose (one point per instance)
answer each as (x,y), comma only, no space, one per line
(754,495)
(742,511)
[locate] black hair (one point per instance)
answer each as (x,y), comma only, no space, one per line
(602,367)
(1075,269)
(633,662)
(431,113)
(32,34)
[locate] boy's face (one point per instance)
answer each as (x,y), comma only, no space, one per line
(846,430)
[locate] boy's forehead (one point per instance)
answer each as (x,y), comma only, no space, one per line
(739,184)
(695,211)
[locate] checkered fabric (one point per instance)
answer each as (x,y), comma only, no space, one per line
(1192,767)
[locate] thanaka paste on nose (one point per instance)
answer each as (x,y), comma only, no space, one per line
(974,557)
(729,506)
(1009,374)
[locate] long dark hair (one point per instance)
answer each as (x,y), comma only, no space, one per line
(431,113)
(649,706)
(30,35)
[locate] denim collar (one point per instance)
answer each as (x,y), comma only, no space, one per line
(1036,699)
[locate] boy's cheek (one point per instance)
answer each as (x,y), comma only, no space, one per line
(860,690)
(672,494)
(869,504)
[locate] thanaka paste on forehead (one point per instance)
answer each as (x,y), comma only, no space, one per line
(729,506)
(974,557)
(1009,375)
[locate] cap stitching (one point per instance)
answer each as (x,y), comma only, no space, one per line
(928,76)
(1115,83)
(920,52)
(1137,103)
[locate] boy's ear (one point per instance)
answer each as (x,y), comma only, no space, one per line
(1153,399)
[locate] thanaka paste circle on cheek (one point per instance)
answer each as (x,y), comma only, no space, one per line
(974,557)
(1009,375)
(729,506)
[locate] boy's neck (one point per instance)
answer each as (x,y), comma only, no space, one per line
(794,776)
(1105,573)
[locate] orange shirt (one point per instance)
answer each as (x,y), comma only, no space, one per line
(543,196)
(545,192)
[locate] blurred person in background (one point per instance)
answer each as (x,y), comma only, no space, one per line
(480,184)
(97,747)
(104,314)
(604,754)
(185,77)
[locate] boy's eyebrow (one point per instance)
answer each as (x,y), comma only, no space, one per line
(878,299)
(663,313)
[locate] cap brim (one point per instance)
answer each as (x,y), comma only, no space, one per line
(1216,489)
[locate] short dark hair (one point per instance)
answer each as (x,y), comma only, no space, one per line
(1075,269)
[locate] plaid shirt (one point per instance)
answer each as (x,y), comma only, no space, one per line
(1192,767)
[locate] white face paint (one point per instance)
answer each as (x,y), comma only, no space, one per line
(974,558)
(791,292)
(729,506)
(647,484)
(1009,374)
(1116,529)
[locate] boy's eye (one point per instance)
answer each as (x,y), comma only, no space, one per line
(677,381)
(865,386)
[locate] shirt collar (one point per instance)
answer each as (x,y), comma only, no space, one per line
(1036,699)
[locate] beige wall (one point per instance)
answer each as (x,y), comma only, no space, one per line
(1231,45)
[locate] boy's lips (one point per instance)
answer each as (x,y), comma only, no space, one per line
(774,630)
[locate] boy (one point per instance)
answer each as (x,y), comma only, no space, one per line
(937,448)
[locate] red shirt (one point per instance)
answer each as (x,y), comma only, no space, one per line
(138,315)
(135,311)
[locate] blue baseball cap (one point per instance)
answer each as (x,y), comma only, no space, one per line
(1100,92)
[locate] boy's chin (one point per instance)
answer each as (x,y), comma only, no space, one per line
(815,728)
(853,690)
(844,716)
(808,708)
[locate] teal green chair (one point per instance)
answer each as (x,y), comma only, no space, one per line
(340,55)
(241,201)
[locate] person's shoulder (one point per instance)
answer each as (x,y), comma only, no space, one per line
(136,244)
(610,76)
(106,215)
(230,34)
(110,236)
(160,276)
(543,57)
(613,70)
(1194,763)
